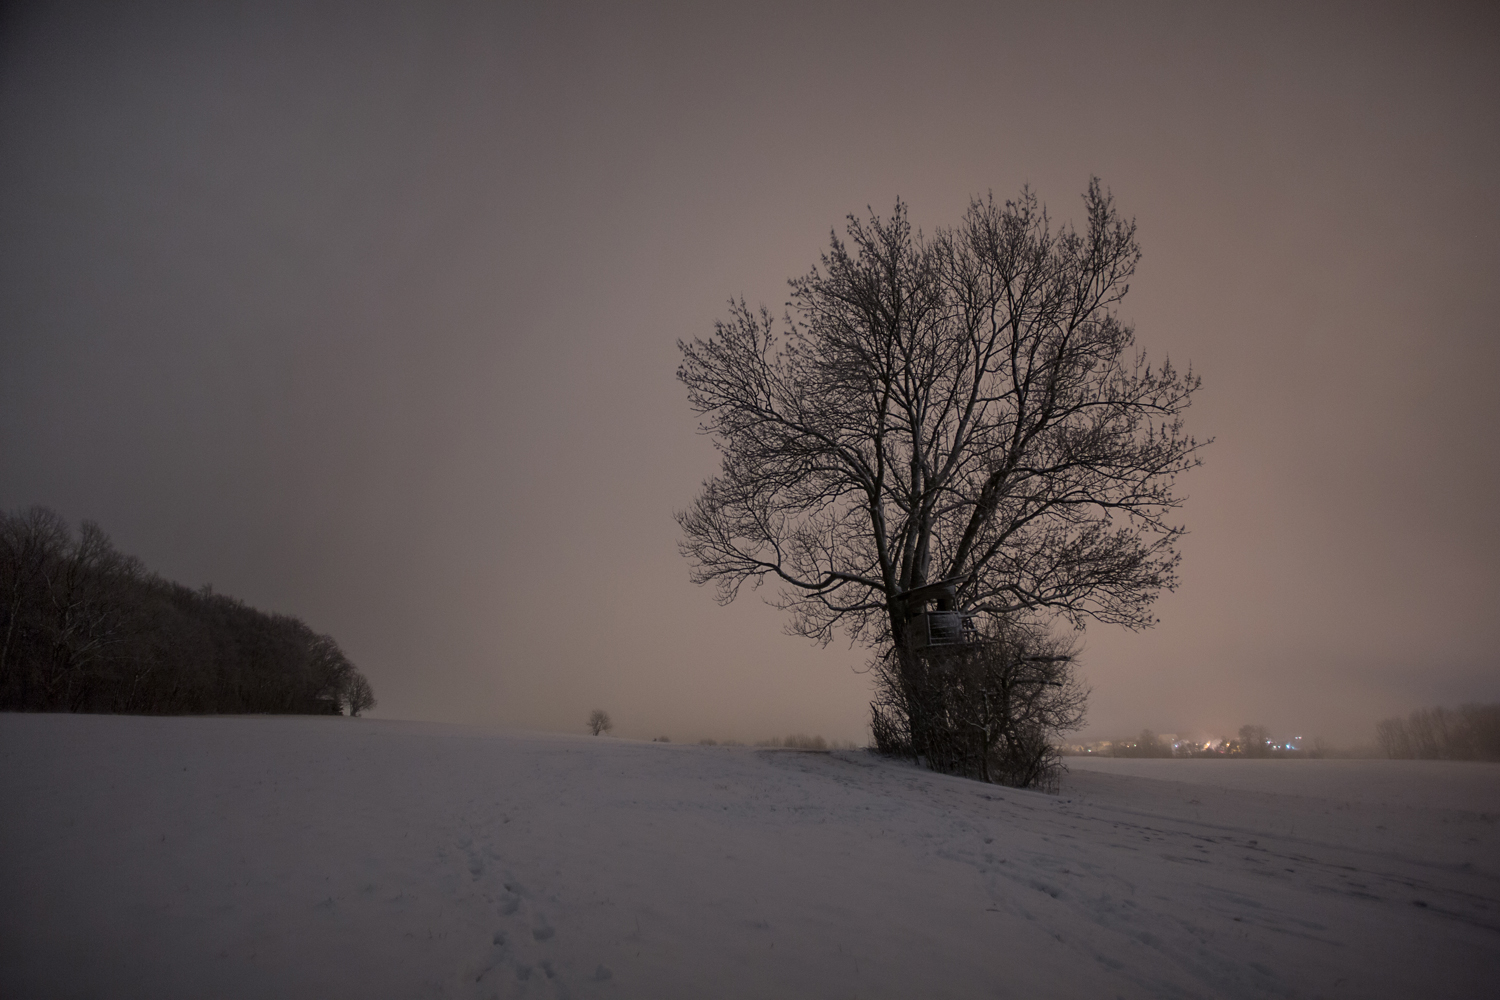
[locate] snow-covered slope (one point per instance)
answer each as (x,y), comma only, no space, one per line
(302,857)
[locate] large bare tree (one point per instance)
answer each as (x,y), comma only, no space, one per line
(967,406)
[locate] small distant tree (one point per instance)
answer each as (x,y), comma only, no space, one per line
(359,696)
(599,722)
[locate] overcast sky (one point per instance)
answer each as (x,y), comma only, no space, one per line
(368,314)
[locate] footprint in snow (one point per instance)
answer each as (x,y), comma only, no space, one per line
(1044,887)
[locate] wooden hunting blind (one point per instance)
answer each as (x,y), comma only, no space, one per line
(941,625)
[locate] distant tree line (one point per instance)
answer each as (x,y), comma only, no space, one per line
(84,628)
(1148,744)
(1254,741)
(1470,733)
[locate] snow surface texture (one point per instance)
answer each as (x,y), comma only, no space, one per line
(302,857)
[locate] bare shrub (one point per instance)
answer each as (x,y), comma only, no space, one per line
(992,709)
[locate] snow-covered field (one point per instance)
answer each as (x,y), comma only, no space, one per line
(327,857)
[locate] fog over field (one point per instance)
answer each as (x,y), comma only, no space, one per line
(314,857)
(368,314)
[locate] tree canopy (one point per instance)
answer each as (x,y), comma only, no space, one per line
(84,628)
(967,406)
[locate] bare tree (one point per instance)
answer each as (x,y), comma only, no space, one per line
(29,543)
(599,722)
(966,410)
(967,406)
(1392,738)
(358,695)
(86,615)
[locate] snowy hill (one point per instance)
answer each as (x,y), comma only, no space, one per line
(330,857)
